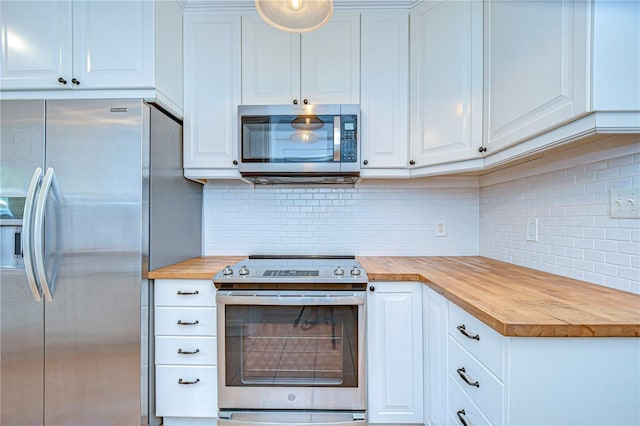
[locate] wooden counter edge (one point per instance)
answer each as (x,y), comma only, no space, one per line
(518,330)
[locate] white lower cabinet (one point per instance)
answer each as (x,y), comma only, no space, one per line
(435,320)
(394,353)
(185,352)
(497,380)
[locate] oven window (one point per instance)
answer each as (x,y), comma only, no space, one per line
(291,345)
(287,139)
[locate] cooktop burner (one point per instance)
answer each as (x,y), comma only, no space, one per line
(293,273)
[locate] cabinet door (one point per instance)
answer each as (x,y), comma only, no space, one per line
(113,44)
(330,61)
(36,44)
(384,89)
(212,89)
(446,82)
(536,68)
(270,63)
(394,353)
(435,308)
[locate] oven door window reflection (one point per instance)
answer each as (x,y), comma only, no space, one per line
(291,345)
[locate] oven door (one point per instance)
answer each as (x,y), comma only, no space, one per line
(291,350)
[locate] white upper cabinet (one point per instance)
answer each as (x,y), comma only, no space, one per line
(384,92)
(93,45)
(111,48)
(36,45)
(536,68)
(319,67)
(616,58)
(212,93)
(446,82)
(77,44)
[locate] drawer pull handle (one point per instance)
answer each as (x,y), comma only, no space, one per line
(461,372)
(187,293)
(180,322)
(461,415)
(185,382)
(181,352)
(462,329)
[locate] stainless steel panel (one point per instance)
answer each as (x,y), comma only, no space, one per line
(21,341)
(92,365)
(21,317)
(176,202)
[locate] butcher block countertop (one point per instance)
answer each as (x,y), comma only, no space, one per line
(513,300)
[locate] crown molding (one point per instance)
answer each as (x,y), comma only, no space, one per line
(338,4)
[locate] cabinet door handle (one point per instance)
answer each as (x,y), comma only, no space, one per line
(365,162)
(75,81)
(461,415)
(305,101)
(62,80)
(412,162)
(295,102)
(462,329)
(186,382)
(180,322)
(482,149)
(187,293)
(461,372)
(181,352)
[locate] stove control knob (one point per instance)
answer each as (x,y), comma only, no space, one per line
(244,270)
(338,271)
(355,271)
(227,270)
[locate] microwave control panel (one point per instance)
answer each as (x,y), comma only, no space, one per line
(349,135)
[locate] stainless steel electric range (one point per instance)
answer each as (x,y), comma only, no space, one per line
(291,346)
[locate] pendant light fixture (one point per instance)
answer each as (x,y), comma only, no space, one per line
(295,16)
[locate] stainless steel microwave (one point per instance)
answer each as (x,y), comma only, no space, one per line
(299,143)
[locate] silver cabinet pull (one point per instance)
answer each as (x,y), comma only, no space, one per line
(187,293)
(186,382)
(462,329)
(180,322)
(181,352)
(461,372)
(461,415)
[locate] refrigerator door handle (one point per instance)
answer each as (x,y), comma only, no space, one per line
(27,234)
(38,234)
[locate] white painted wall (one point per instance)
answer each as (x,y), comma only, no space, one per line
(371,219)
(568,192)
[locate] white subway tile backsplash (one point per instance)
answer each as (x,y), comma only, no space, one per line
(577,238)
(365,220)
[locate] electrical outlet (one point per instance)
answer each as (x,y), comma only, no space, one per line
(441,228)
(625,203)
(532,229)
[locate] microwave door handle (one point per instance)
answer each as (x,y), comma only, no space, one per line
(336,138)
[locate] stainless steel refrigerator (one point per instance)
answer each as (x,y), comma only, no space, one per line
(92,196)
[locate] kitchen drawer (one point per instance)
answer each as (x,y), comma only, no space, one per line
(488,394)
(185,321)
(486,344)
(175,399)
(184,293)
(460,405)
(186,350)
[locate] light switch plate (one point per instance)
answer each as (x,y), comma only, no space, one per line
(625,203)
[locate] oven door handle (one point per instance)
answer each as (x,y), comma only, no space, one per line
(292,300)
